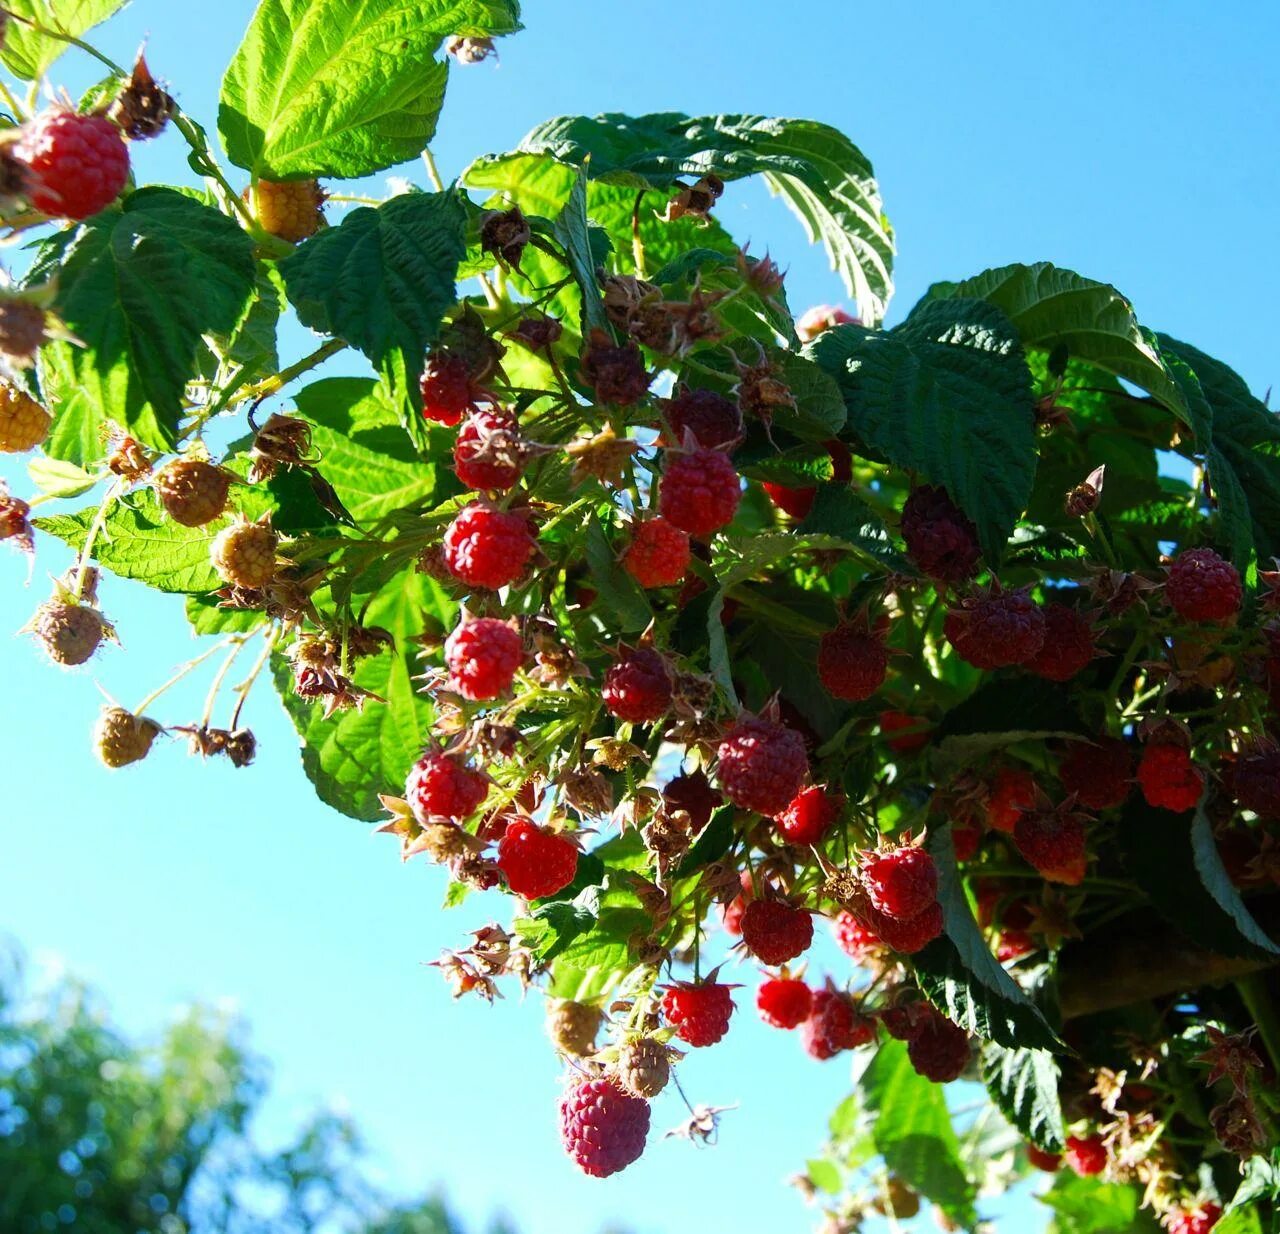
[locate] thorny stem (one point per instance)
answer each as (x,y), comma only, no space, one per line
(272,385)
(242,690)
(188,667)
(95,529)
(218,679)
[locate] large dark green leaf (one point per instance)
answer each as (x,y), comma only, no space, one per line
(28,54)
(1024,1085)
(139,286)
(336,88)
(946,394)
(1091,1206)
(1003,712)
(821,175)
(838,511)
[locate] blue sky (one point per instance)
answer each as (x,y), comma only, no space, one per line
(1133,143)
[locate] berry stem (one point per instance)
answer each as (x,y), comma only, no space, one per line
(91,536)
(637,244)
(204,162)
(242,690)
(219,677)
(182,672)
(437,182)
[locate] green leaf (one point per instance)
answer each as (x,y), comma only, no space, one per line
(819,412)
(714,842)
(139,541)
(1001,713)
(335,88)
(28,54)
(354,755)
(946,394)
(383,280)
(572,230)
(1055,308)
(960,976)
(362,449)
(206,617)
(825,1175)
(839,511)
(913,1131)
(58,479)
(553,926)
(1244,1220)
(139,286)
(1024,1085)
(1174,859)
(822,176)
(1091,1206)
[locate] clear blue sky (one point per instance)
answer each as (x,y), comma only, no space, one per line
(1133,142)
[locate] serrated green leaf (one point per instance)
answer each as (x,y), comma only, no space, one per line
(838,511)
(1244,1220)
(960,976)
(946,394)
(1001,713)
(331,88)
(913,1132)
(139,286)
(553,926)
(206,617)
(29,54)
(1024,1085)
(383,280)
(573,231)
(57,478)
(819,412)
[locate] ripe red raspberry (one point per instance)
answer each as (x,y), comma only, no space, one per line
(852,661)
(940,538)
(796,502)
(1049,1162)
(899,722)
(996,629)
(439,786)
(486,450)
(536,863)
(811,812)
(901,1021)
(1013,945)
(775,932)
(693,793)
(699,492)
(1086,1156)
(658,554)
(731,913)
(76,165)
(485,547)
(1200,586)
(714,421)
(602,1126)
(966,838)
(638,687)
(833,1026)
(901,882)
(905,935)
(1097,773)
(446,388)
(784,1002)
(1052,840)
(698,1012)
(938,1049)
(1255,780)
(1012,792)
(1168,778)
(855,939)
(482,656)
(1068,646)
(762,765)
(1198,1219)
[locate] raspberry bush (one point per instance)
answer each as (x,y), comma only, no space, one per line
(613,587)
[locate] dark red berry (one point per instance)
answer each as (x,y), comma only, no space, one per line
(693,793)
(486,450)
(447,392)
(1068,646)
(1012,792)
(1168,778)
(715,422)
(699,1012)
(1201,586)
(75,164)
(440,786)
(1086,1156)
(852,661)
(616,373)
(808,816)
(485,547)
(731,913)
(996,629)
(638,687)
(775,932)
(833,1026)
(536,863)
(940,539)
(1049,1162)
(699,491)
(482,656)
(900,882)
(1052,840)
(938,1049)
(896,728)
(762,765)
(602,1126)
(658,554)
(796,502)
(1098,773)
(783,1002)
(1255,780)
(966,838)
(905,935)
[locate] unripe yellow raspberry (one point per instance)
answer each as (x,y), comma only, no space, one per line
(24,424)
(193,492)
(121,738)
(572,1026)
(245,554)
(290,209)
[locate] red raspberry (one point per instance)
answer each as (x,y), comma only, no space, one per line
(856,940)
(699,492)
(996,629)
(938,1049)
(731,913)
(901,882)
(536,863)
(638,687)
(1200,586)
(892,722)
(698,1012)
(658,554)
(693,793)
(1053,841)
(602,1126)
(833,1026)
(1086,1156)
(1013,945)
(714,421)
(76,165)
(1168,778)
(482,656)
(940,539)
(775,932)
(1068,646)
(1012,792)
(1049,1162)
(762,765)
(485,452)
(446,388)
(852,661)
(485,547)
(811,812)
(783,1002)
(966,838)
(1255,780)
(1097,773)
(905,935)
(439,786)
(796,502)
(1197,1220)
(901,1022)
(814,321)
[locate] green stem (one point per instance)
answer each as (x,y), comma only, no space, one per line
(74,42)
(271,385)
(1257,1000)
(95,528)
(188,667)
